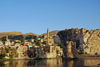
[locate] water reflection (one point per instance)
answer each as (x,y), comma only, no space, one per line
(45,63)
(51,63)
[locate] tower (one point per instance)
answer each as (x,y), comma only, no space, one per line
(47,36)
(7,37)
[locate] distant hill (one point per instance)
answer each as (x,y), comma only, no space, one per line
(30,34)
(2,34)
(11,33)
(18,35)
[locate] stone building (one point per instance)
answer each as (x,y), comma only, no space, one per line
(1,43)
(7,43)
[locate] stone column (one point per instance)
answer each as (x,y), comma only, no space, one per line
(47,36)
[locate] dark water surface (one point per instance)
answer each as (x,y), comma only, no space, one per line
(81,62)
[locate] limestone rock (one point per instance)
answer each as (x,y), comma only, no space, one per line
(91,42)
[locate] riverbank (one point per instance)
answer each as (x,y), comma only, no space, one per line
(79,56)
(30,58)
(87,55)
(59,62)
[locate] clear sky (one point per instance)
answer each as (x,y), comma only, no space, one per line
(38,15)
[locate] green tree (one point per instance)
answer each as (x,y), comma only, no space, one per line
(48,50)
(2,56)
(18,42)
(4,39)
(29,40)
(11,56)
(11,40)
(38,43)
(39,58)
(80,53)
(44,42)
(57,51)
(22,41)
(61,45)
(7,50)
(19,39)
(35,41)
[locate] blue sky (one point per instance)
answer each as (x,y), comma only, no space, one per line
(38,15)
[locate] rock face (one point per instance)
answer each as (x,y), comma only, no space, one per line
(57,40)
(87,41)
(22,52)
(70,35)
(70,50)
(90,41)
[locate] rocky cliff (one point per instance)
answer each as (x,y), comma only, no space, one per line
(87,41)
(70,35)
(90,41)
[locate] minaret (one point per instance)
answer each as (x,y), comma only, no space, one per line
(7,37)
(47,36)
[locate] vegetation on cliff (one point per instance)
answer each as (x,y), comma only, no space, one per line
(37,43)
(2,56)
(44,42)
(4,39)
(57,51)
(39,58)
(61,45)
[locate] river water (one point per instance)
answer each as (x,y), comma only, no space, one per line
(80,62)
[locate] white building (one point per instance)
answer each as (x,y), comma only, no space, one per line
(32,40)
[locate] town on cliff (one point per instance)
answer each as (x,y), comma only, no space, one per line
(66,44)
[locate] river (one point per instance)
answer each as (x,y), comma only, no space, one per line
(80,62)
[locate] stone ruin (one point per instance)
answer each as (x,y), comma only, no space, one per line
(70,50)
(45,52)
